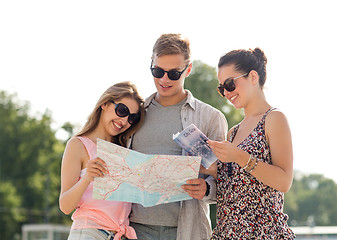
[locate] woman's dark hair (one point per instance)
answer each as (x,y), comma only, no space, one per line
(246,61)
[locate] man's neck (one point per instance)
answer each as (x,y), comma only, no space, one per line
(171,100)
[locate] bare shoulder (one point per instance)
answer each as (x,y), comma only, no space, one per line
(75,147)
(276,122)
(72,162)
(276,117)
(74,142)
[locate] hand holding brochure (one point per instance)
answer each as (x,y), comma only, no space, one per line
(194,142)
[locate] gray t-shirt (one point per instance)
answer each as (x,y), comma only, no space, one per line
(155,137)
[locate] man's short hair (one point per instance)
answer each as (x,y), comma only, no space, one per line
(172,44)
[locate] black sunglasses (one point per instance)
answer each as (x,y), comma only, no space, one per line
(229,85)
(122,111)
(158,72)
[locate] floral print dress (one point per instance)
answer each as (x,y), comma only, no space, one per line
(247,208)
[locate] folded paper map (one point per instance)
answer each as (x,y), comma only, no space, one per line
(142,178)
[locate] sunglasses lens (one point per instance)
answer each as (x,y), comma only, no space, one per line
(133,118)
(229,85)
(122,110)
(174,75)
(157,72)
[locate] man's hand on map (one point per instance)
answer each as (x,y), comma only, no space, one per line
(196,188)
(95,168)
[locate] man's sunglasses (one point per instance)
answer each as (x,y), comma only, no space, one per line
(174,75)
(122,111)
(229,85)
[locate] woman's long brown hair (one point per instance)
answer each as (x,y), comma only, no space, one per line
(115,93)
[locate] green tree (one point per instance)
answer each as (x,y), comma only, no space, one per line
(203,84)
(312,201)
(30,158)
(10,211)
(69,128)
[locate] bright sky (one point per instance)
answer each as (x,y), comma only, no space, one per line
(62,55)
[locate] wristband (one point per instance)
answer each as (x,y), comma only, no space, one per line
(208,188)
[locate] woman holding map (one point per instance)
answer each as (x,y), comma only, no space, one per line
(256,163)
(117,115)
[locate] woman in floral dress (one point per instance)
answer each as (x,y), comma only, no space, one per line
(256,163)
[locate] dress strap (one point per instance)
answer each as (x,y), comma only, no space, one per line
(89,145)
(266,113)
(235,129)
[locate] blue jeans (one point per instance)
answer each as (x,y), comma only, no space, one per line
(152,232)
(91,234)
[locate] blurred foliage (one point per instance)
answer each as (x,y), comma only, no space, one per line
(203,83)
(30,158)
(69,128)
(311,201)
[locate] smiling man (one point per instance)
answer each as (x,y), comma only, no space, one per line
(168,111)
